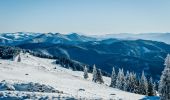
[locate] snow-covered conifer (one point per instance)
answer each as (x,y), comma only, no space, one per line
(127,84)
(135,83)
(143,85)
(151,88)
(132,82)
(99,77)
(155,88)
(120,80)
(19,58)
(85,72)
(137,86)
(94,73)
(113,78)
(164,85)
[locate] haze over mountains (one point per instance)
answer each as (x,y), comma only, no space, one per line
(22,36)
(162,37)
(134,52)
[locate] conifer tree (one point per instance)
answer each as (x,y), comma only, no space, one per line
(120,80)
(131,81)
(85,72)
(94,74)
(113,78)
(127,84)
(118,85)
(134,83)
(155,89)
(19,58)
(137,86)
(143,85)
(151,87)
(164,85)
(99,77)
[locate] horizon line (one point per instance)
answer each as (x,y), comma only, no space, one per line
(81,33)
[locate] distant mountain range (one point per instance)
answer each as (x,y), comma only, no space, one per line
(130,52)
(162,37)
(54,38)
(73,38)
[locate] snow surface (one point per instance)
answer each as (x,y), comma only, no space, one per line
(70,84)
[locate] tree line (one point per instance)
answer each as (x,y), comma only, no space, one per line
(7,52)
(124,81)
(140,85)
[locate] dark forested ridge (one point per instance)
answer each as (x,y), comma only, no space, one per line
(137,55)
(132,55)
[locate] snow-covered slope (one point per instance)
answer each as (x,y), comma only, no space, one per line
(44,73)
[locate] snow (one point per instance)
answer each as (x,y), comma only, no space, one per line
(16,38)
(146,50)
(71,84)
(4,38)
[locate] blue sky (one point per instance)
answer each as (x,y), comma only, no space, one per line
(85,16)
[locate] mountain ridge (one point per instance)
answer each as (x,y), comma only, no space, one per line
(147,55)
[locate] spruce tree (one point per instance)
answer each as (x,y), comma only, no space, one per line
(151,87)
(120,80)
(127,84)
(94,74)
(99,77)
(113,78)
(137,88)
(164,85)
(19,58)
(135,84)
(118,85)
(143,85)
(131,83)
(85,72)
(155,89)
